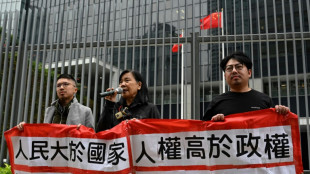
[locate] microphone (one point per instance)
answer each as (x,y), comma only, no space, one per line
(118,90)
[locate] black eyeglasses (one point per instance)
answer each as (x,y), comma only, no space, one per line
(230,68)
(65,84)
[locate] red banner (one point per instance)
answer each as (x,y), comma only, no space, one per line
(253,142)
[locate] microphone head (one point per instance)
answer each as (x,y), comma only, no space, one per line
(119,90)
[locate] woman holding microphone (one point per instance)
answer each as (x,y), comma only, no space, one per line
(134,102)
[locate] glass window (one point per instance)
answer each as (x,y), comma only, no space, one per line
(273,59)
(262,24)
(308,85)
(290,56)
(292,88)
(283,87)
(287,16)
(299,57)
(270,17)
(301,87)
(279,16)
(254,17)
(3,8)
(274,89)
(296,16)
(282,61)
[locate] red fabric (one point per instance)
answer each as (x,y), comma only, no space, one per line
(214,20)
(249,120)
(175,47)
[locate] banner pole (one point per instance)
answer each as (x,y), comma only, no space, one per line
(223,55)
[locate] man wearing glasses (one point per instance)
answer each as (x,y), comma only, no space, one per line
(66,109)
(241,98)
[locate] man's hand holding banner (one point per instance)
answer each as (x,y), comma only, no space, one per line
(253,142)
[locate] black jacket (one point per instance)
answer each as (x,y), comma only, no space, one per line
(137,109)
(237,102)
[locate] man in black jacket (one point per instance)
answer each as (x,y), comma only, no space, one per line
(241,98)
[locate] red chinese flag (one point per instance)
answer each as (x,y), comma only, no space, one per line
(175,47)
(214,20)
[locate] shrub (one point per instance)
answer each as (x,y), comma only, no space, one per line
(6,169)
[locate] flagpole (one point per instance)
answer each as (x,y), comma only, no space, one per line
(222,23)
(182,80)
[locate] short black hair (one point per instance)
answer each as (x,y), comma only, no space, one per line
(143,93)
(240,57)
(66,76)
